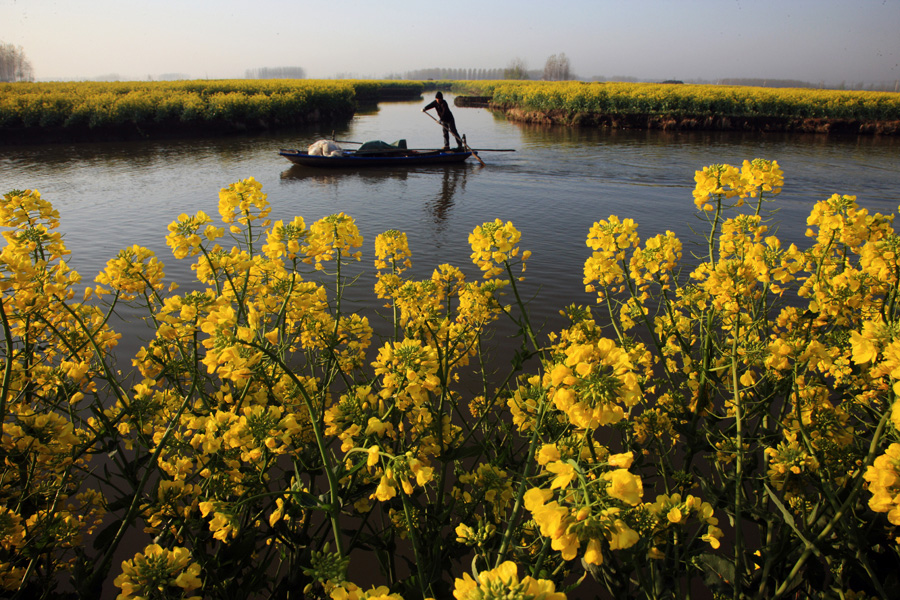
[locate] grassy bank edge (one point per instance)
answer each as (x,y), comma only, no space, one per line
(92,111)
(688,107)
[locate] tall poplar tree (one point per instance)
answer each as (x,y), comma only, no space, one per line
(14,65)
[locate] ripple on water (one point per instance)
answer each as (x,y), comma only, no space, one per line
(557,183)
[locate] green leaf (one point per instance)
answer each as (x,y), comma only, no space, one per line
(103,539)
(717,571)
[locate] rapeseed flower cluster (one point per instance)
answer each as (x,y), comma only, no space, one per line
(285,240)
(753,180)
(609,241)
(503,583)
(243,202)
(351,591)
(135,272)
(495,245)
(332,236)
(672,512)
(159,573)
(883,476)
(590,378)
(487,486)
(734,423)
(185,235)
(50,363)
(392,251)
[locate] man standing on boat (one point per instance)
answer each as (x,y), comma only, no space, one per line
(446,119)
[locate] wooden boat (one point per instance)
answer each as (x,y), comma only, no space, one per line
(389,158)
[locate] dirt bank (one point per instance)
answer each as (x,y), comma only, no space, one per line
(701,122)
(164,129)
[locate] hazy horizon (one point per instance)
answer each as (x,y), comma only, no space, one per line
(830,41)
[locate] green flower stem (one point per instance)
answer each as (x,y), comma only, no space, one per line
(474,428)
(811,548)
(108,375)
(212,268)
(34,561)
(520,493)
(738,470)
(8,363)
(711,239)
(525,320)
(417,549)
(612,317)
(93,582)
(542,556)
(395,315)
(645,319)
(334,507)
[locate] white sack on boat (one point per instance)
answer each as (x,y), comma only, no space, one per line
(324,148)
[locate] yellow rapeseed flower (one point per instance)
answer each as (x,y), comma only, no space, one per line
(503,583)
(494,246)
(159,571)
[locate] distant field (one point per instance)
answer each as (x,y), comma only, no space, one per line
(577,102)
(64,109)
(91,110)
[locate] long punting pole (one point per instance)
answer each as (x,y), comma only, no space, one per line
(429,149)
(465,144)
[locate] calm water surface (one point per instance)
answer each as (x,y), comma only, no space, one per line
(553,187)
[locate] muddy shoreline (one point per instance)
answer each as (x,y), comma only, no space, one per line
(47,124)
(684,122)
(164,130)
(702,122)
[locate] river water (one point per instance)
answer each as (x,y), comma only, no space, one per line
(553,187)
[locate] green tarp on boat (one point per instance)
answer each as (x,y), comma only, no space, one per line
(379,147)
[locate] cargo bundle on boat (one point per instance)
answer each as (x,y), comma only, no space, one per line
(327,153)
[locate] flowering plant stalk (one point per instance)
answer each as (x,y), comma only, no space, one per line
(731,426)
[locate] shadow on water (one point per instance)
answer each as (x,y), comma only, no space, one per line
(441,203)
(451,179)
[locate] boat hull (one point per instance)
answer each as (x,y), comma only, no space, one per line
(350,159)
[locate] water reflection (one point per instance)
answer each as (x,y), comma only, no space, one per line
(449,180)
(453,180)
(300,173)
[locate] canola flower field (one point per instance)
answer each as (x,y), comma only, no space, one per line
(200,103)
(574,98)
(143,108)
(729,428)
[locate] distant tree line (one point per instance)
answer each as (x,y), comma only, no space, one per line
(756,82)
(794,83)
(275,73)
(557,68)
(173,76)
(14,65)
(455,74)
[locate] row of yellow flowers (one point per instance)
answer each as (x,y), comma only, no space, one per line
(692,100)
(734,427)
(98,104)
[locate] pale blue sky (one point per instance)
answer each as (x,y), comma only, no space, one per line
(809,40)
